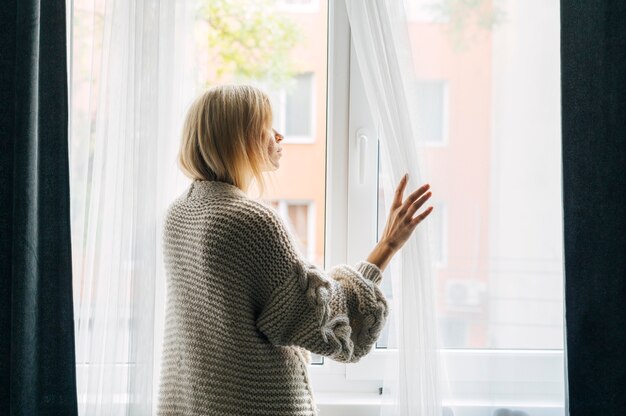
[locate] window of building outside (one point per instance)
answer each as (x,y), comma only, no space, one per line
(294,109)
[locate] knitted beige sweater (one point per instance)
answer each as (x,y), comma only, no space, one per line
(243,307)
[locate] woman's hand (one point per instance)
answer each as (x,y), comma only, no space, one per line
(400,223)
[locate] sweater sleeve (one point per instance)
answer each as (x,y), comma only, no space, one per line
(338,314)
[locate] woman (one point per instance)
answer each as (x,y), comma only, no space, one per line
(243,306)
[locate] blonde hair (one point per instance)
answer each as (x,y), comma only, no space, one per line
(225,136)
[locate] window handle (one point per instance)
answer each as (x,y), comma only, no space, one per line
(361,138)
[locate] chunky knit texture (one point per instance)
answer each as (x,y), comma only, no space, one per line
(244,308)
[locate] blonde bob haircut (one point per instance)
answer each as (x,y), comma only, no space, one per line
(226,136)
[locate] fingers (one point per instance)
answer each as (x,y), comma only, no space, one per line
(416,194)
(417,204)
(397,199)
(420,217)
(412,197)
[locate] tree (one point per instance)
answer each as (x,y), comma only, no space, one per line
(462,15)
(250,40)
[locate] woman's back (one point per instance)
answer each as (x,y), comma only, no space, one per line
(241,304)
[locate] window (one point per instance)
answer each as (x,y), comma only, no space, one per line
(294,109)
(495,231)
(299,114)
(498,245)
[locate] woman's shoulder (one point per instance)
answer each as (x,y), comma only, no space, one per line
(221,202)
(265,222)
(262,214)
(253,217)
(261,208)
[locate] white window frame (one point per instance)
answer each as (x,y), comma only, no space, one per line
(281,96)
(483,379)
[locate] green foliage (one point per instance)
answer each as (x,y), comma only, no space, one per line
(249,40)
(463,16)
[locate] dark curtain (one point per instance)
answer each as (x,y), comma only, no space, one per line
(593,76)
(37,357)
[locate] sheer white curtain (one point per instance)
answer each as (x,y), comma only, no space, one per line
(380,38)
(128,96)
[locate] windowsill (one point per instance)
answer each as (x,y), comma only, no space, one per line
(349,398)
(369,403)
(478,382)
(324,398)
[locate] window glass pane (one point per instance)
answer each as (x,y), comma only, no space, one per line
(294,47)
(235,41)
(495,179)
(282,52)
(294,50)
